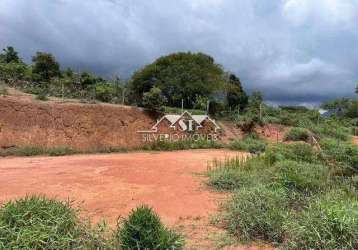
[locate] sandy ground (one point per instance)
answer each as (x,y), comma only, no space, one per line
(109,186)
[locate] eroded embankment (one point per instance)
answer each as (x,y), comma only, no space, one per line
(25,122)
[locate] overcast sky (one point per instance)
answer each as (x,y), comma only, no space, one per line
(294,51)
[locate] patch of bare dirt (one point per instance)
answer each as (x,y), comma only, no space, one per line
(355,140)
(274,133)
(109,186)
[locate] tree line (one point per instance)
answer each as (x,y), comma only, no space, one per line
(189,79)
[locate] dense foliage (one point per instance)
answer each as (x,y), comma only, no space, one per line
(181,76)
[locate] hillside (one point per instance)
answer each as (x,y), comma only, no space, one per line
(25,121)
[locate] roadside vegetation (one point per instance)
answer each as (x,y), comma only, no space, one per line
(155,146)
(298,195)
(36,222)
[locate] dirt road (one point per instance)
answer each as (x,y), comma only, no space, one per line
(111,185)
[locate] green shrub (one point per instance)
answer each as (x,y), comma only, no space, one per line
(258,213)
(297,134)
(301,176)
(144,230)
(38,223)
(154,99)
(330,222)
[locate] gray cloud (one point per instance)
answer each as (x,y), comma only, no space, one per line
(295,51)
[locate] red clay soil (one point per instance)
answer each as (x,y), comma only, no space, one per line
(111,185)
(355,140)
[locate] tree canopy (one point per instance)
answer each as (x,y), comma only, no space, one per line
(45,66)
(9,55)
(182,75)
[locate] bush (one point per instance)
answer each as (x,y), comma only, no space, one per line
(330,222)
(104,91)
(38,223)
(144,230)
(154,99)
(297,134)
(302,177)
(258,213)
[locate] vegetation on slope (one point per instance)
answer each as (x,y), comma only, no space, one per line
(295,196)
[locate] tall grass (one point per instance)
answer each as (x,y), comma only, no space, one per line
(328,222)
(251,143)
(36,222)
(290,196)
(257,213)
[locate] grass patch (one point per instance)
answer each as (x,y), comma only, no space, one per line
(144,230)
(39,223)
(3,91)
(301,152)
(36,222)
(257,213)
(301,177)
(35,150)
(329,222)
(251,143)
(181,145)
(235,173)
(297,134)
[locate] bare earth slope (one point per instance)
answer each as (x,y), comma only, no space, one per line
(24,122)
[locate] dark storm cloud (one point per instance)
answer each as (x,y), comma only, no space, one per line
(297,51)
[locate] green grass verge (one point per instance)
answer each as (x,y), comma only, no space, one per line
(291,197)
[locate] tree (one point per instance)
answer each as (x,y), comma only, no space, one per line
(179,76)
(357,89)
(235,95)
(154,99)
(89,79)
(255,101)
(45,66)
(9,55)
